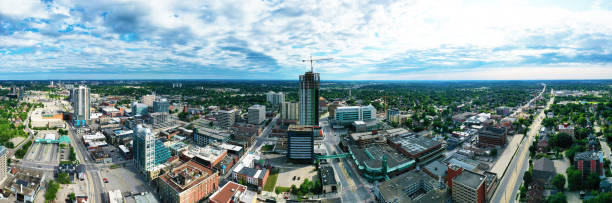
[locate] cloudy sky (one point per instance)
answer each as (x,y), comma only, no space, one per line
(368,40)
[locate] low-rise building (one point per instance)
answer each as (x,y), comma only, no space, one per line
(208,156)
(328,179)
(366,138)
(25,184)
(420,148)
(490,136)
(544,170)
(251,176)
(566,128)
(412,186)
(589,162)
(188,183)
(233,193)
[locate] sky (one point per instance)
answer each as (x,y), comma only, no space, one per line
(367,40)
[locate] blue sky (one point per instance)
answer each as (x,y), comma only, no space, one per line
(369,40)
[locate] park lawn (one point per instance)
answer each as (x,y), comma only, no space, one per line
(271,181)
(281,189)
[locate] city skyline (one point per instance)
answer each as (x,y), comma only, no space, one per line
(378,40)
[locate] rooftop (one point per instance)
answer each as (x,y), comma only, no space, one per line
(469,179)
(415,145)
(207,153)
(225,194)
(327,175)
(544,164)
(372,155)
(186,176)
(402,188)
(437,168)
(301,128)
(587,156)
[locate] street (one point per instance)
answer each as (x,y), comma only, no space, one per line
(510,182)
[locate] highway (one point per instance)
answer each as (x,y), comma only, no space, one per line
(510,182)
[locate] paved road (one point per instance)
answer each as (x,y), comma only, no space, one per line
(95,185)
(511,180)
(353,187)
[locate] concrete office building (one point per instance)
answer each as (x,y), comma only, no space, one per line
(469,187)
(257,114)
(81,104)
(290,111)
(226,118)
(300,142)
(275,98)
(161,106)
(347,114)
(309,93)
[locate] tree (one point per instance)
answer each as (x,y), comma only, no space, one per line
(52,188)
(574,179)
(562,140)
(63,178)
(559,182)
(592,182)
(72,197)
(601,198)
(527,177)
(493,152)
(557,198)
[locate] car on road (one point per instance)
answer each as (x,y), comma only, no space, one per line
(105,180)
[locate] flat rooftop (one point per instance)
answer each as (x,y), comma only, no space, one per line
(372,155)
(415,145)
(470,179)
(401,188)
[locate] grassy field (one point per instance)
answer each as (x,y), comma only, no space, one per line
(281,189)
(271,180)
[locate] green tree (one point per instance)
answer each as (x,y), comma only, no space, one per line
(63,178)
(559,182)
(574,179)
(494,152)
(605,197)
(527,177)
(592,181)
(557,198)
(52,188)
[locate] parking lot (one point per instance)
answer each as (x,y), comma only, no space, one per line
(285,177)
(124,179)
(43,152)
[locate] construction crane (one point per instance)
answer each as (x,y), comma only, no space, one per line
(313,60)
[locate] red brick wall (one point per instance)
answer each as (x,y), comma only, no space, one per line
(451,174)
(481,193)
(205,189)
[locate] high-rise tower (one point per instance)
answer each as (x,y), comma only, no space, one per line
(310,91)
(80,102)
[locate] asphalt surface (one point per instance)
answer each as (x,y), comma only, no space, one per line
(510,182)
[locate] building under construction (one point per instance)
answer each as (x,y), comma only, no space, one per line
(310,91)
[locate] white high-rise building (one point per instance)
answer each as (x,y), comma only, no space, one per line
(290,111)
(144,148)
(257,114)
(80,102)
(275,98)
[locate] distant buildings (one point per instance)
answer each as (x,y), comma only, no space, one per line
(301,142)
(140,109)
(469,187)
(309,93)
(290,111)
(566,128)
(148,151)
(81,104)
(226,118)
(490,136)
(348,114)
(161,106)
(503,110)
(188,183)
(393,115)
(256,114)
(275,98)
(148,99)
